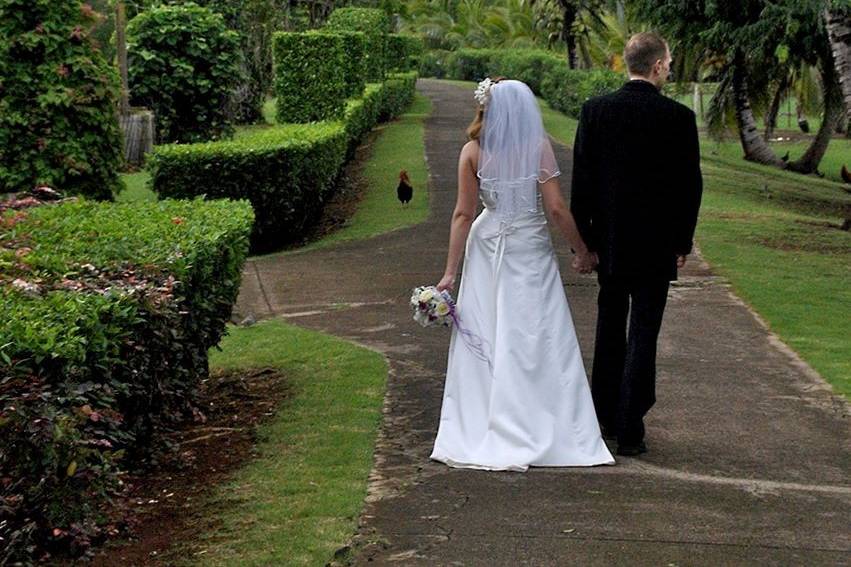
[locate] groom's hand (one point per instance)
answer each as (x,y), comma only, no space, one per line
(681,261)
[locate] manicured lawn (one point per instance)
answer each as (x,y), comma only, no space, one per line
(137,188)
(838,153)
(399,145)
(299,500)
(785,256)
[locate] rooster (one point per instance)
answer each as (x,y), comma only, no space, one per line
(846,175)
(404,191)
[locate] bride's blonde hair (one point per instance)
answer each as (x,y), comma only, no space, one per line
(474,130)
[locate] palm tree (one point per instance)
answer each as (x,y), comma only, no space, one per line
(838,23)
(473,23)
(575,20)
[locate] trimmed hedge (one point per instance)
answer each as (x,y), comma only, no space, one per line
(58,95)
(404,52)
(183,65)
(546,74)
(375,24)
(355,68)
(287,172)
(108,312)
(310,76)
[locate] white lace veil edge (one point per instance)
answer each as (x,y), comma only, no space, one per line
(515,149)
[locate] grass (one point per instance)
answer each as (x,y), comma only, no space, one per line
(838,152)
(399,145)
(784,255)
(137,188)
(299,500)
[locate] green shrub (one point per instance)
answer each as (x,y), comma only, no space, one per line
(287,171)
(397,95)
(472,64)
(546,73)
(531,66)
(355,70)
(310,75)
(255,21)
(566,90)
(375,24)
(183,66)
(108,312)
(58,95)
(433,63)
(404,52)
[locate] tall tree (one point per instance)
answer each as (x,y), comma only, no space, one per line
(749,35)
(838,22)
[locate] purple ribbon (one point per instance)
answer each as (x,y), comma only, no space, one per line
(477,345)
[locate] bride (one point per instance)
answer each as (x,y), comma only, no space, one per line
(521,398)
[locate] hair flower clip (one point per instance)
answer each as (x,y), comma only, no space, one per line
(483,91)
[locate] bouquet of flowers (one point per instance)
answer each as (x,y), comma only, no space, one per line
(432,308)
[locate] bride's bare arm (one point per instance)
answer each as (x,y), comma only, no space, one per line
(465,210)
(559,214)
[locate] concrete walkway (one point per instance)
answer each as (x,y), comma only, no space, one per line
(750,453)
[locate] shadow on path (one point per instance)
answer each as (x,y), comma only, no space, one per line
(750,452)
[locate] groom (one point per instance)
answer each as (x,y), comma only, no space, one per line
(635,197)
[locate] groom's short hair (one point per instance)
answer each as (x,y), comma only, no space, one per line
(642,51)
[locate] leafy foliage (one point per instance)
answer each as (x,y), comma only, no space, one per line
(287,171)
(376,25)
(58,95)
(255,21)
(310,76)
(355,68)
(404,52)
(546,74)
(105,335)
(183,66)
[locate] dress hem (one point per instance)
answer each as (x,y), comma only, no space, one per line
(518,468)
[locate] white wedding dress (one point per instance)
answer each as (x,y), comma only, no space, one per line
(527,402)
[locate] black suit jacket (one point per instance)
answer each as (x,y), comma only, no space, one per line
(636,181)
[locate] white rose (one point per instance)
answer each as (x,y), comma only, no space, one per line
(426,295)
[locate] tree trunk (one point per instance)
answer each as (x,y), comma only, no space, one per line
(774,109)
(570,14)
(839,32)
(754,145)
(833,111)
(139,128)
(121,45)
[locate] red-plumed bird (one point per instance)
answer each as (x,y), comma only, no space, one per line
(404,190)
(846,175)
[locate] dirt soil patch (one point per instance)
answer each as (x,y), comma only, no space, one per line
(348,193)
(167,506)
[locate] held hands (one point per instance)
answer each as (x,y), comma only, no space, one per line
(446,283)
(585,262)
(681,261)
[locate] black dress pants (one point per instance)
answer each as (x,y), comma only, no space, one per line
(623,380)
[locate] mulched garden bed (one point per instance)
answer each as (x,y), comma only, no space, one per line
(167,507)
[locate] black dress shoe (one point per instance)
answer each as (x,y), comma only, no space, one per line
(632,450)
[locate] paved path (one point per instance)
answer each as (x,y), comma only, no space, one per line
(750,453)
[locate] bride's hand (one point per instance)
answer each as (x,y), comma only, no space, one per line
(446,283)
(585,263)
